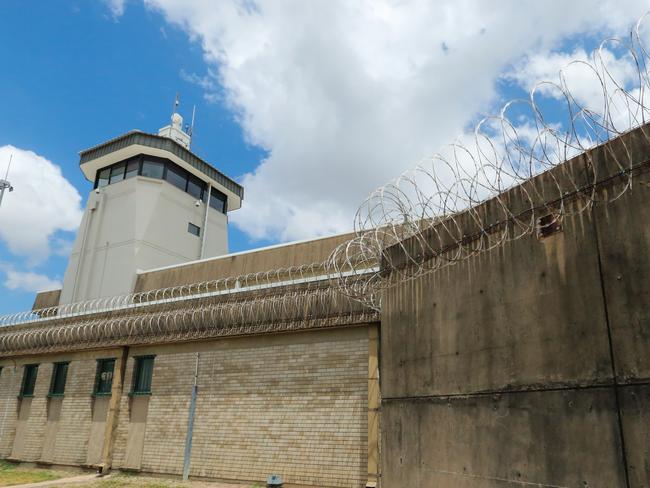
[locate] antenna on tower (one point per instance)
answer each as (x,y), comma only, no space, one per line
(177,102)
(9,166)
(191,131)
(4,184)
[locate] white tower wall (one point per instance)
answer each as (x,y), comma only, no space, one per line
(137,224)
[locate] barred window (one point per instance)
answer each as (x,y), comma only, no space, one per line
(104,377)
(29,380)
(142,374)
(59,376)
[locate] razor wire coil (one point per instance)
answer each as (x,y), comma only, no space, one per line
(451,207)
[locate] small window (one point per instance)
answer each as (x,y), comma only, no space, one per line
(104,377)
(102,179)
(117,173)
(176,176)
(59,375)
(142,373)
(193,229)
(132,168)
(195,187)
(153,169)
(29,380)
(218,201)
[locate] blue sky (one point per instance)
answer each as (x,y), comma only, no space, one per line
(86,78)
(311,105)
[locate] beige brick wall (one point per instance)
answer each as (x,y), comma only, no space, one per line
(122,430)
(30,427)
(10,378)
(71,428)
(76,414)
(291,404)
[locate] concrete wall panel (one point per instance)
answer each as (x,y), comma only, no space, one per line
(559,438)
(635,414)
(624,238)
(539,341)
(525,314)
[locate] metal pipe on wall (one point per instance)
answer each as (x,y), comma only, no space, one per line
(205,223)
(190,422)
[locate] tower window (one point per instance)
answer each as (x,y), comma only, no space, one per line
(104,377)
(159,168)
(117,173)
(218,201)
(142,374)
(103,178)
(153,169)
(132,168)
(177,177)
(59,376)
(29,380)
(193,229)
(195,187)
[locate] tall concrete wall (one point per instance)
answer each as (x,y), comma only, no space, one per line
(528,364)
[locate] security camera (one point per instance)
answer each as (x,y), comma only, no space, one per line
(11,188)
(97,191)
(197,203)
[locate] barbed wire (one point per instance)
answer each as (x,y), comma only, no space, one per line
(491,187)
(308,274)
(494,186)
(310,304)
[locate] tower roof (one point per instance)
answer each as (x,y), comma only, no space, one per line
(135,142)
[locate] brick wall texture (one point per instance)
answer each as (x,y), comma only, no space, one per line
(8,407)
(25,423)
(289,404)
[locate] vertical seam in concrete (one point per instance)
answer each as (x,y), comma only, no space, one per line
(611,347)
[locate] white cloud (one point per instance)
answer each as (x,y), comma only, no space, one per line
(207,82)
(576,71)
(116,7)
(30,282)
(43,203)
(346,95)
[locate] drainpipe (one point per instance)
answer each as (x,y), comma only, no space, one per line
(205,223)
(98,197)
(190,423)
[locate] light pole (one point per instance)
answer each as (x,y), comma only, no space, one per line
(4,184)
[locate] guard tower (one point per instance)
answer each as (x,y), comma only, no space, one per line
(154,203)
